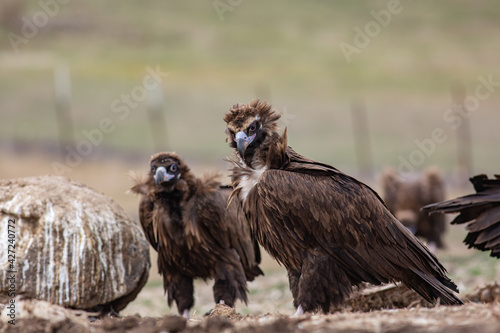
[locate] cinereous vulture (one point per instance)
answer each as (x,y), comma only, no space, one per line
(186,221)
(329,230)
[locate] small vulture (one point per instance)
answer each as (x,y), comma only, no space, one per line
(405,197)
(329,230)
(186,221)
(481,209)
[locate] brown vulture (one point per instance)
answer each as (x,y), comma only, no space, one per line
(481,209)
(329,230)
(186,221)
(405,197)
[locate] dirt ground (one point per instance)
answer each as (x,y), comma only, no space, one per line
(270,308)
(361,314)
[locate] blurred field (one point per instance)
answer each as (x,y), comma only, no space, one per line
(284,51)
(287,51)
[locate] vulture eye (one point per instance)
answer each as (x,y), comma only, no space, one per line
(252,127)
(173,167)
(153,169)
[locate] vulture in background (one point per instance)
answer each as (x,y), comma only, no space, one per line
(329,230)
(405,198)
(481,210)
(186,221)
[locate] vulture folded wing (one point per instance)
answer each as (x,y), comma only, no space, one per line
(316,206)
(336,213)
(146,207)
(240,236)
(205,220)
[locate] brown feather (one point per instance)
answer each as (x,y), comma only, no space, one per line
(140,181)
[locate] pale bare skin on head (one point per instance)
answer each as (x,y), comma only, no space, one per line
(240,124)
(232,129)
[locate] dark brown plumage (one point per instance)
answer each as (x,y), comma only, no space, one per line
(329,230)
(186,221)
(405,198)
(481,210)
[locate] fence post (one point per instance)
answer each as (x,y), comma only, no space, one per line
(463,135)
(362,142)
(62,92)
(156,116)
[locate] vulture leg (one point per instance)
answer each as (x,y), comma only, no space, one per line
(182,292)
(224,293)
(299,312)
(321,283)
(293,280)
(230,281)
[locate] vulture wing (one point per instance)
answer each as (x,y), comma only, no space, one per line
(146,207)
(481,210)
(309,205)
(142,185)
(240,235)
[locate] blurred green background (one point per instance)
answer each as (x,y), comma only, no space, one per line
(218,53)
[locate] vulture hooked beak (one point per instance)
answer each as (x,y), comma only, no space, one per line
(161,175)
(242,141)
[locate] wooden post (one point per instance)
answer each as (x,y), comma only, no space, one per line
(463,135)
(62,91)
(362,142)
(156,116)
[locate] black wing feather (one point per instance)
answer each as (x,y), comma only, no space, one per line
(481,210)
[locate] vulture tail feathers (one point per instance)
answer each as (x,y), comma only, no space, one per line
(252,272)
(181,290)
(431,288)
(230,283)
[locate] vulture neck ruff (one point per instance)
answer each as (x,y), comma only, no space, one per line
(248,181)
(261,159)
(249,174)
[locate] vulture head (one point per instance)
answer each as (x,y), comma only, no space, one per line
(167,169)
(250,126)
